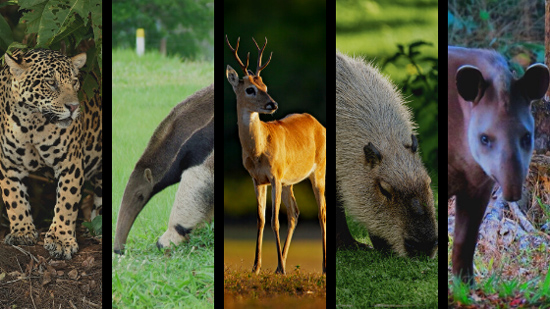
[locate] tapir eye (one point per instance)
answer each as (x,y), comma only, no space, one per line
(140,197)
(250,90)
(485,140)
(526,140)
(385,189)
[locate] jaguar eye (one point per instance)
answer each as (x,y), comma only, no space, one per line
(250,90)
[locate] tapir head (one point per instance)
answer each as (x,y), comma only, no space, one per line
(501,128)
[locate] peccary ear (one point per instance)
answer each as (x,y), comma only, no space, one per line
(372,155)
(535,81)
(470,83)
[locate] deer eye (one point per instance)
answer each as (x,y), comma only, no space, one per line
(250,90)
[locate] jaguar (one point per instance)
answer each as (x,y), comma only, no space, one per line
(44,125)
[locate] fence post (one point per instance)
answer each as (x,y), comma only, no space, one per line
(140,41)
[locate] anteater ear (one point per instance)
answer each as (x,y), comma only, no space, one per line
(372,155)
(470,83)
(148,175)
(535,81)
(414,144)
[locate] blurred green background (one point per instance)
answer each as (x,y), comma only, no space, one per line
(185,25)
(296,80)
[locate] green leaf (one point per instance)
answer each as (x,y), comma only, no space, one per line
(6,36)
(484,15)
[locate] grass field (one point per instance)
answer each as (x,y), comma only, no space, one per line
(144,91)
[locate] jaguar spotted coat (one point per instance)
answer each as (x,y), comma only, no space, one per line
(42,124)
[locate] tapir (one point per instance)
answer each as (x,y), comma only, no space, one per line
(491,138)
(180,150)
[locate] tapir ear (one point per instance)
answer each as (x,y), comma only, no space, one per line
(470,83)
(372,155)
(148,175)
(535,81)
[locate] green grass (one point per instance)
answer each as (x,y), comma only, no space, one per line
(145,89)
(369,278)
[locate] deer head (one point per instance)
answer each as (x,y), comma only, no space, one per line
(251,91)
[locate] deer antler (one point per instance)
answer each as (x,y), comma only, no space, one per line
(237,56)
(259,67)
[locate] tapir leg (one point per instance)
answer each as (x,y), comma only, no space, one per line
(469,214)
(194,203)
(344,239)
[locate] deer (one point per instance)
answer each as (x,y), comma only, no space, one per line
(280,153)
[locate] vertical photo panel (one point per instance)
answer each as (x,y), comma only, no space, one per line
(163,154)
(275,153)
(498,153)
(386,153)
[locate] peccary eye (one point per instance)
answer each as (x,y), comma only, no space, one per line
(485,140)
(526,140)
(385,189)
(250,90)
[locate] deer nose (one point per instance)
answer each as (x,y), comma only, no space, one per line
(72,107)
(271,105)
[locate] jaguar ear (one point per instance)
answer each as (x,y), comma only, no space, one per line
(15,68)
(79,60)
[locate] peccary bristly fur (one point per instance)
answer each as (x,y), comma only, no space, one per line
(381,181)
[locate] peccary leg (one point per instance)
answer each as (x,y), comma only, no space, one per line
(344,239)
(261,191)
(469,214)
(292,213)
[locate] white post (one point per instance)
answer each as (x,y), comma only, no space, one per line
(140,41)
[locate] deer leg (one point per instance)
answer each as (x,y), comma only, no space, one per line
(469,214)
(276,188)
(261,191)
(318,184)
(292,213)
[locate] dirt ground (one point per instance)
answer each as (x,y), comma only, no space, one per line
(30,278)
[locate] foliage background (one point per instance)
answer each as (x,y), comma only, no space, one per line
(185,24)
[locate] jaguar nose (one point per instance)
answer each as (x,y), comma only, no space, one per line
(72,106)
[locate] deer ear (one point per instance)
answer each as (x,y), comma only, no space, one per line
(232,77)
